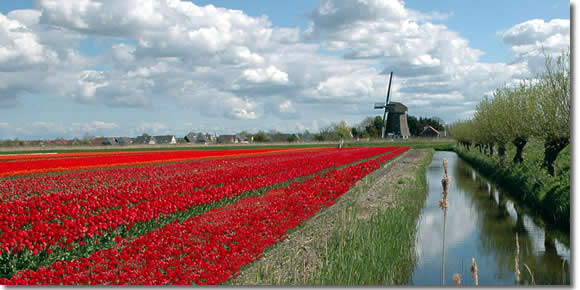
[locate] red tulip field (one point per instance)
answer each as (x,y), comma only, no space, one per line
(162,217)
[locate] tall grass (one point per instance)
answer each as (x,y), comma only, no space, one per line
(380,250)
(529,183)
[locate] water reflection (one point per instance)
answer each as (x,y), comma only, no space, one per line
(481,222)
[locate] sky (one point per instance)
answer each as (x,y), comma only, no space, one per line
(127,67)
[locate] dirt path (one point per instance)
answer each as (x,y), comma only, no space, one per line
(292,261)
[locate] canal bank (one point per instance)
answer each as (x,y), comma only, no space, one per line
(547,196)
(481,222)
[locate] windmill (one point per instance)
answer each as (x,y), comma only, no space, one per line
(394,116)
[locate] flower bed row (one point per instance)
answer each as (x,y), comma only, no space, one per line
(60,219)
(210,248)
(38,185)
(25,167)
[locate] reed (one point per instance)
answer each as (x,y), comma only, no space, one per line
(531,274)
(457,279)
(517,259)
(444,205)
(474,272)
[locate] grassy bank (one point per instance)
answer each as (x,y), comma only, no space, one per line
(379,250)
(548,196)
(379,214)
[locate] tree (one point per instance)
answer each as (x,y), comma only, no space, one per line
(378,126)
(260,136)
(553,114)
(365,128)
(292,138)
(520,124)
(341,130)
(416,126)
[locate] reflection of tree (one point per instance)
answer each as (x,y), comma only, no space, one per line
(498,232)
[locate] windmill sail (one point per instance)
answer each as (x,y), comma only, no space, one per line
(386,106)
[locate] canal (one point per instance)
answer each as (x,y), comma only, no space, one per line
(481,222)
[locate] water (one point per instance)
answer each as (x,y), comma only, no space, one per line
(481,223)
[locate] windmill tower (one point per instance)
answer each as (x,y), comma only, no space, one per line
(395,116)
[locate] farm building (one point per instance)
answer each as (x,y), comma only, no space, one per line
(110,141)
(98,141)
(243,139)
(228,139)
(198,138)
(190,138)
(124,141)
(165,139)
(202,139)
(145,139)
(429,131)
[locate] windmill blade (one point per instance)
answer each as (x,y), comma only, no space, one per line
(386,107)
(389,89)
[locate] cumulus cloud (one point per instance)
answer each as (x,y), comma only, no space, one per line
(224,64)
(20,48)
(269,74)
(49,129)
(532,40)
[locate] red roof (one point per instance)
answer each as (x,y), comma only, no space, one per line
(434,129)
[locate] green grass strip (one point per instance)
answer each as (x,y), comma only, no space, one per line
(380,250)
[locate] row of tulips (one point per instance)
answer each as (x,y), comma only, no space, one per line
(25,167)
(25,187)
(60,219)
(210,248)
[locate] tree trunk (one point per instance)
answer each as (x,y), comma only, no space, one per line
(520,143)
(552,148)
(501,150)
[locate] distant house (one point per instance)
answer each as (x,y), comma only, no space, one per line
(124,141)
(97,141)
(429,131)
(202,139)
(109,141)
(228,139)
(190,138)
(165,139)
(243,139)
(144,140)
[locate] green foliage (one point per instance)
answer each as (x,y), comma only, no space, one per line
(529,182)
(416,126)
(260,136)
(533,109)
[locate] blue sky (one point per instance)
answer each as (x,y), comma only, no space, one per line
(166,67)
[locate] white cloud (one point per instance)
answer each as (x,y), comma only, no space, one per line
(269,74)
(533,39)
(20,48)
(222,63)
(49,129)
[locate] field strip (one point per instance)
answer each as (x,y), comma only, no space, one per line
(139,163)
(209,248)
(160,209)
